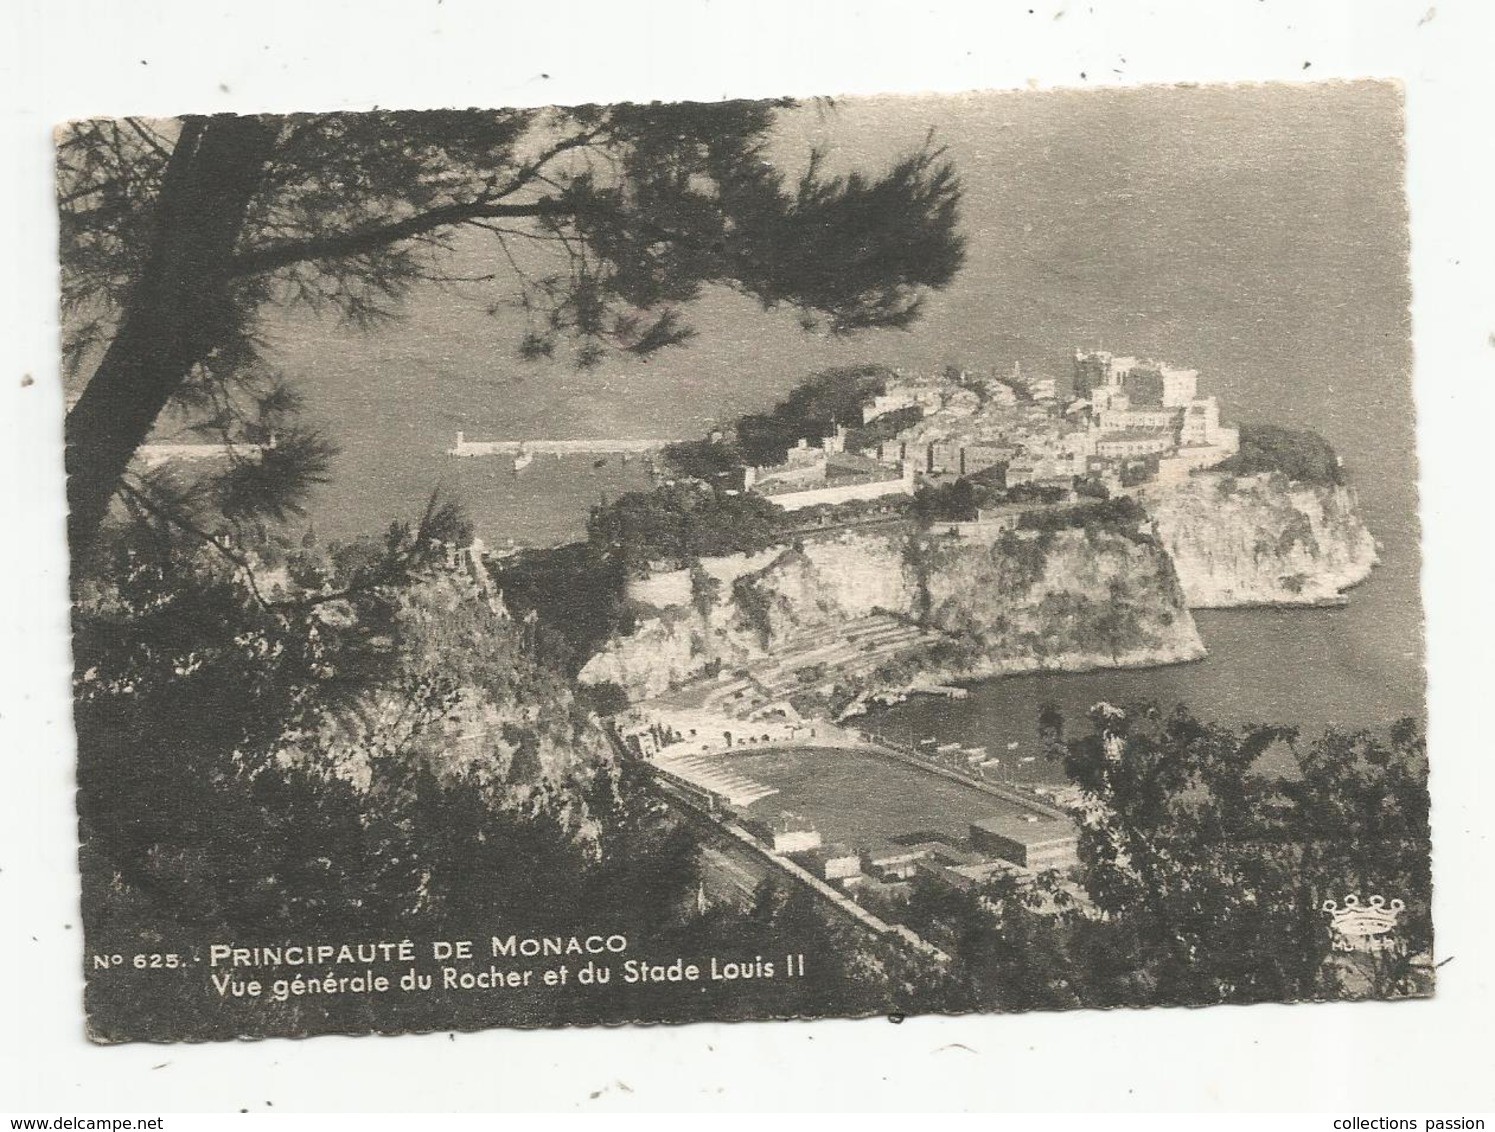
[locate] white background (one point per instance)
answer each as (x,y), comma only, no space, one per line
(75,58)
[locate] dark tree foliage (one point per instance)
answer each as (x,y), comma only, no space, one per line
(811,410)
(712,461)
(950,502)
(576,593)
(1119,516)
(1139,471)
(883,428)
(604,698)
(178,235)
(764,439)
(1215,872)
(832,397)
(1202,877)
(213,712)
(680,524)
(1299,454)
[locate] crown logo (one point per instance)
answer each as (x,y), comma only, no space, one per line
(1363,927)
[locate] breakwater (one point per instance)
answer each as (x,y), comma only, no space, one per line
(586,446)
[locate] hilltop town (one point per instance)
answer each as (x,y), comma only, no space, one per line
(1121,422)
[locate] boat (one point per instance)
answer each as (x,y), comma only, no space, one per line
(947,748)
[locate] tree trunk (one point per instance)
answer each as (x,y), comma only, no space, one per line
(178,311)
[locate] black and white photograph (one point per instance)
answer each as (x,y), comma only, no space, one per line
(762,559)
(943,565)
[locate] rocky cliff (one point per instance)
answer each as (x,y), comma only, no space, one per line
(1060,600)
(464,696)
(1106,585)
(1261,540)
(990,602)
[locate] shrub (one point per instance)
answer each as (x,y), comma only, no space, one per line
(1299,454)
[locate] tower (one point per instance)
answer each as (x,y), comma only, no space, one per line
(1091,372)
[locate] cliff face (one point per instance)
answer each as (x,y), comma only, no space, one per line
(999,603)
(1261,540)
(1057,601)
(988,603)
(467,698)
(732,611)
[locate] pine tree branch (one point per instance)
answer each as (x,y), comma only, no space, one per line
(166,514)
(363,240)
(149,138)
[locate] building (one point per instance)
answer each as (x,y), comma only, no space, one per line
(802,466)
(829,478)
(786,834)
(1120,420)
(983,455)
(833,863)
(1136,442)
(1030,840)
(596,446)
(1001,394)
(1202,428)
(894,862)
(1103,377)
(890,402)
(1043,389)
(944,457)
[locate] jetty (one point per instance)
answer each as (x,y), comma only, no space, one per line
(585,446)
